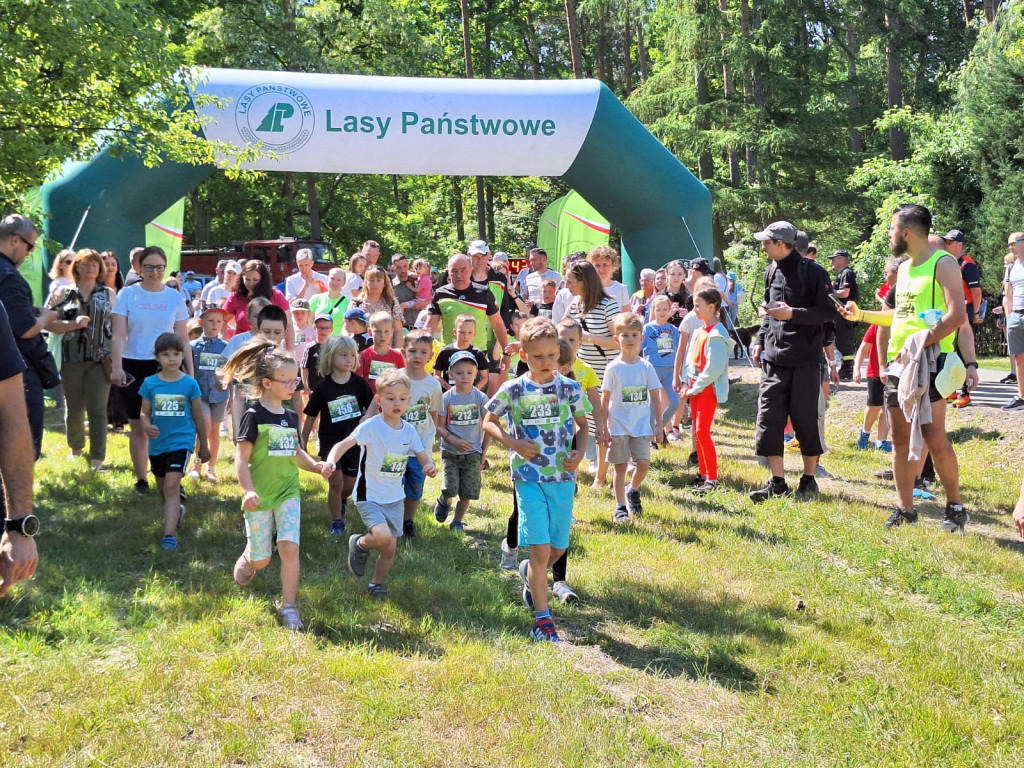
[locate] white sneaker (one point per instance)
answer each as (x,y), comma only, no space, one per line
(289,613)
(592,467)
(193,475)
(509,557)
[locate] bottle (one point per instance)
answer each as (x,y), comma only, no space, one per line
(931,317)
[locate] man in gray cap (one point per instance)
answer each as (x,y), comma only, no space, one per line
(796,307)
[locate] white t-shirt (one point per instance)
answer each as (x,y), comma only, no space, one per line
(149,314)
(425,402)
(562,301)
(534,283)
(629,406)
(1015,277)
(295,285)
(353,283)
(619,293)
(383,455)
(210,288)
(722,284)
(235,343)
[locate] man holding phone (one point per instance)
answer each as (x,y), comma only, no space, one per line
(845,289)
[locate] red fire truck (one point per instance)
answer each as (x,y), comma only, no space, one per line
(278,255)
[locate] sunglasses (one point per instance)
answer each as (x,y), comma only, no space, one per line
(31,246)
(66,262)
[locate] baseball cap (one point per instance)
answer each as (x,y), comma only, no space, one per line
(190,273)
(300,304)
(323,316)
(838,253)
(233,266)
(731,275)
(214,308)
(478,246)
(778,230)
(955,236)
(701,265)
(357,313)
(500,256)
(462,354)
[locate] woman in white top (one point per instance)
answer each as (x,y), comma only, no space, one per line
(141,313)
(606,260)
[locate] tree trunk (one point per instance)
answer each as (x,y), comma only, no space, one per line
(853,100)
(288,193)
(460,227)
(729,90)
(967,12)
(313,203)
(990,11)
(641,51)
(481,208)
(627,55)
(572,22)
(894,86)
(201,219)
(490,214)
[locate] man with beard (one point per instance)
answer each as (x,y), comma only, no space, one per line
(929,279)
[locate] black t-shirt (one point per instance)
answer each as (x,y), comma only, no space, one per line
(364,341)
(311,364)
(441,361)
(543,310)
(476,300)
(680,297)
(847,278)
(339,406)
(11,363)
(16,296)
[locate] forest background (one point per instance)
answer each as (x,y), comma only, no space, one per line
(823,112)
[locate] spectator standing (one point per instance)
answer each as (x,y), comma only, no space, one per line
(216,282)
(406,286)
(306,283)
(845,288)
(256,283)
(606,260)
(639,300)
(1013,312)
(530,282)
(377,295)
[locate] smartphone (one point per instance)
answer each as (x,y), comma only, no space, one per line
(838,302)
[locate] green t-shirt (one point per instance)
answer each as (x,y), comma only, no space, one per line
(275,440)
(916,291)
(476,301)
(323,304)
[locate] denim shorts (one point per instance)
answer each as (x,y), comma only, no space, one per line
(413,480)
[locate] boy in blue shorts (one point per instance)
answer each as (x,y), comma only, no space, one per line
(543,410)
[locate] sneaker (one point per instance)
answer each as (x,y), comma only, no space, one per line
(708,486)
(793,446)
(633,503)
(693,461)
(820,471)
(409,529)
(923,483)
(224,431)
(97,466)
(592,468)
(141,487)
(169,542)
(509,557)
(211,476)
(1013,404)
(441,510)
(544,629)
(621,515)
(884,474)
(899,517)
(955,518)
(357,556)
(807,490)
(862,441)
(788,437)
(964,400)
(564,593)
(244,572)
(181,513)
(524,574)
(885,446)
(379,591)
(655,445)
(771,489)
(1010,379)
(337,527)
(193,475)
(457,526)
(696,480)
(673,436)
(182,497)
(289,615)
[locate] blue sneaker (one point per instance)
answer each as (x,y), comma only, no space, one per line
(524,573)
(169,542)
(544,630)
(337,527)
(885,446)
(441,509)
(862,441)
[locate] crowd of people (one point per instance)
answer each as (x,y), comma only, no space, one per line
(393,366)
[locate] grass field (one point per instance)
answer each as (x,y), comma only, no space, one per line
(711,633)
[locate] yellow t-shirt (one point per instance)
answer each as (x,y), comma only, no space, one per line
(585,375)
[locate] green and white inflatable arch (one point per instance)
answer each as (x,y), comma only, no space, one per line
(319,123)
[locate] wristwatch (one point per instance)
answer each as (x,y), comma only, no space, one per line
(968,365)
(26,526)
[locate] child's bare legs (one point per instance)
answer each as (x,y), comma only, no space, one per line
(619,483)
(379,537)
(883,425)
(642,467)
(460,510)
(213,440)
(542,557)
(170,488)
(288,551)
(339,488)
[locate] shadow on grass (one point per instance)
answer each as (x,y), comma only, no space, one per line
(963,434)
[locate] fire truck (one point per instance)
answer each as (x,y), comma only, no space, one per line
(278,255)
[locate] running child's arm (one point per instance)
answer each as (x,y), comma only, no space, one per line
(659,402)
(601,419)
(181,331)
(492,426)
(146,413)
(427,463)
(307,429)
(862,352)
(594,396)
(304,461)
(576,456)
(339,450)
(297,404)
(251,499)
(679,364)
(196,409)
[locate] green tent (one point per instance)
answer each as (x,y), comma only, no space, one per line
(568,225)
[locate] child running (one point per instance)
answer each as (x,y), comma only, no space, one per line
(340,401)
(543,410)
(267,459)
(460,427)
(632,402)
(379,357)
(207,357)
(423,409)
(385,443)
(873,409)
(707,377)
(172,417)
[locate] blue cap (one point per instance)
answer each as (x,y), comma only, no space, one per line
(462,354)
(357,313)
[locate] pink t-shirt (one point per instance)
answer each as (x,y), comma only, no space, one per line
(424,290)
(236,305)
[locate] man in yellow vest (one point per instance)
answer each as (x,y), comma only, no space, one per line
(928,280)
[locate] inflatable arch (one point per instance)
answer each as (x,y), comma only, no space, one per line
(576,129)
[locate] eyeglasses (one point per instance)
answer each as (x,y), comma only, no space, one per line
(1017,242)
(154,267)
(67,262)
(290,383)
(31,246)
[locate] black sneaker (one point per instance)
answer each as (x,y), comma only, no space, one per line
(633,503)
(885,474)
(621,515)
(808,488)
(1011,379)
(696,480)
(142,487)
(708,486)
(770,490)
(923,483)
(955,518)
(357,556)
(441,510)
(409,529)
(899,517)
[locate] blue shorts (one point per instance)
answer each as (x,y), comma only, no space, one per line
(413,479)
(545,513)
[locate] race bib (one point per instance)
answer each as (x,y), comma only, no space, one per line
(635,396)
(464,415)
(344,408)
(416,414)
(300,337)
(377,367)
(394,464)
(664,344)
(539,410)
(282,441)
(169,405)
(211,361)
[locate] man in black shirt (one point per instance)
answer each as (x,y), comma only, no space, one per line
(788,348)
(845,288)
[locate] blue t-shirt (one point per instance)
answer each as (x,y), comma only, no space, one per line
(207,357)
(171,412)
(660,344)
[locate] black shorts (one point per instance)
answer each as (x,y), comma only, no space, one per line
(164,463)
(348,464)
(892,386)
(788,393)
(494,366)
(137,372)
(876,392)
